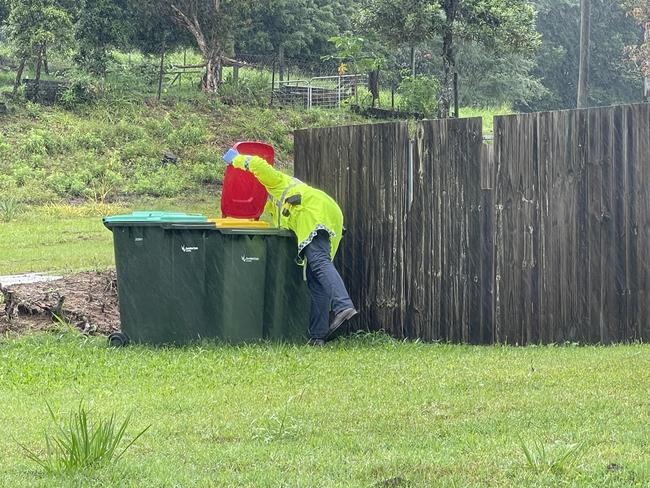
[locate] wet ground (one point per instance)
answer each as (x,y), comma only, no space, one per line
(87,301)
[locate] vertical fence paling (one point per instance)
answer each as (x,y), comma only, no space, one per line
(364,168)
(541,237)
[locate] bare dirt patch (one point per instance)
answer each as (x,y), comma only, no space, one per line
(88,301)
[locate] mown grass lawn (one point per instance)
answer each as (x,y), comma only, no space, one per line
(69,238)
(362,412)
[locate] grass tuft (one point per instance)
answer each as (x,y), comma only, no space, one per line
(81,443)
(278,426)
(555,458)
(10,208)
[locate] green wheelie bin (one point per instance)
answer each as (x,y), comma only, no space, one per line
(264,295)
(161,276)
(182,278)
(288,301)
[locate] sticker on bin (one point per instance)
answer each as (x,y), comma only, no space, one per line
(249,259)
(188,249)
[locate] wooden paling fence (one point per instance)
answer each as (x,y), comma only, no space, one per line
(541,237)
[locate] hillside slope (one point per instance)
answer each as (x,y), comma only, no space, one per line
(116,149)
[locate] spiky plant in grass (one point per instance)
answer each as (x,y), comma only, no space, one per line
(80,443)
(10,208)
(556,458)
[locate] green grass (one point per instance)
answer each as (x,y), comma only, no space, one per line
(111,149)
(114,147)
(487,114)
(65,238)
(355,414)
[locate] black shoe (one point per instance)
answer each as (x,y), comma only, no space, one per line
(316,342)
(340,319)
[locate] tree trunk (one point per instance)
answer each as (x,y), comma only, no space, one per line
(19,75)
(413,61)
(583,73)
(448,58)
(211,77)
(46,65)
(39,64)
(281,62)
(373,85)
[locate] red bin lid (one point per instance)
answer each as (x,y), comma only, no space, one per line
(242,196)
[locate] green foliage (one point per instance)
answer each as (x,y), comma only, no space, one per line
(279,23)
(82,443)
(113,147)
(401,22)
(419,94)
(102,26)
(253,89)
(153,28)
(612,78)
(36,25)
(639,52)
(502,26)
(83,88)
(359,53)
(167,181)
(300,27)
(491,79)
(4,12)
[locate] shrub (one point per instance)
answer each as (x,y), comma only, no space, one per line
(252,89)
(419,94)
(35,143)
(68,185)
(83,88)
(139,148)
(42,142)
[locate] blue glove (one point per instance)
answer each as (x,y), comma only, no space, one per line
(230,155)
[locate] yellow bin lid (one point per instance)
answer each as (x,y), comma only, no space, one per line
(232,223)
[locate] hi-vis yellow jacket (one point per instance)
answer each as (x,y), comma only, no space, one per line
(317,210)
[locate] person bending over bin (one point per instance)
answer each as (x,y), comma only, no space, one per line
(317,221)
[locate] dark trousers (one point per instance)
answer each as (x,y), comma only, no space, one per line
(327,289)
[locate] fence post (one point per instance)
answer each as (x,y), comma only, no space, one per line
(161,72)
(411,148)
(272,83)
(338,103)
(456,110)
(309,94)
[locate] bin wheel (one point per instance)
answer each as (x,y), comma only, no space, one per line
(118,339)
